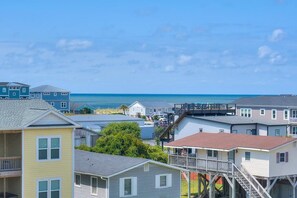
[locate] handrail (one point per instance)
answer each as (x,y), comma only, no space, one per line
(257,189)
(255,181)
(10,163)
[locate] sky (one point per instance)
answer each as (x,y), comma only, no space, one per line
(151,46)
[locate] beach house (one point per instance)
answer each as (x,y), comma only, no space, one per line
(278,108)
(112,176)
(144,108)
(57,97)
(37,150)
(248,166)
(14,90)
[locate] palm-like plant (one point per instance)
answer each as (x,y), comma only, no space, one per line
(124,108)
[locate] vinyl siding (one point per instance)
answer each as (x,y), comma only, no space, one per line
(84,190)
(34,170)
(146,182)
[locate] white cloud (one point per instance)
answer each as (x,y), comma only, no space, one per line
(169,68)
(276,58)
(264,51)
(184,59)
(277,35)
(75,44)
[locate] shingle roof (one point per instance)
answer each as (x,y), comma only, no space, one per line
(154,104)
(13,84)
(102,118)
(239,120)
(102,164)
(281,101)
(47,88)
(14,114)
(228,141)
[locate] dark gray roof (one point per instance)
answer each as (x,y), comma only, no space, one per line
(14,114)
(13,84)
(47,88)
(271,101)
(239,120)
(103,118)
(102,164)
(154,104)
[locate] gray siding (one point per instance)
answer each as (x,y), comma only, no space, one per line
(146,182)
(84,191)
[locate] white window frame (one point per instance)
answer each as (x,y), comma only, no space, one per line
(273,110)
(245,154)
(63,105)
(133,186)
(294,114)
(288,114)
(146,167)
(76,184)
(293,130)
(263,113)
(52,103)
(212,153)
(48,148)
(168,181)
(246,112)
(91,186)
(49,190)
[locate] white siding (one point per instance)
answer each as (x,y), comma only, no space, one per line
(136,109)
(262,130)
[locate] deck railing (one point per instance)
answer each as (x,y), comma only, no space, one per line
(207,108)
(10,164)
(196,163)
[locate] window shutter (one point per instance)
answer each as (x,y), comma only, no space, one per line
(277,157)
(134,186)
(169,180)
(157,181)
(287,157)
(121,187)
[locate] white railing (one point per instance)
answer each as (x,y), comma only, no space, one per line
(252,181)
(293,119)
(10,163)
(196,163)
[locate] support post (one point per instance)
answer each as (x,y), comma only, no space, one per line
(211,186)
(234,187)
(199,184)
(189,184)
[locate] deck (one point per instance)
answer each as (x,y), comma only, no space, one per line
(10,166)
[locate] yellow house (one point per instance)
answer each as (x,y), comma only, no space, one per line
(36,150)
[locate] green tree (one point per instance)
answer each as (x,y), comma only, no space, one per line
(125,127)
(86,110)
(124,108)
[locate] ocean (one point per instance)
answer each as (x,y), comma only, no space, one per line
(115,100)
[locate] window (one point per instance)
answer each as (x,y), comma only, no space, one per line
(14,94)
(248,156)
(94,185)
(163,180)
(277,132)
(273,114)
(128,186)
(262,112)
(147,167)
(249,131)
(49,188)
(32,95)
(294,130)
(246,112)
(286,114)
(63,104)
(77,179)
(294,114)
(55,93)
(212,153)
(23,90)
(64,93)
(46,93)
(49,148)
(282,157)
(53,104)
(3,89)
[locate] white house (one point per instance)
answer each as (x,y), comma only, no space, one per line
(190,125)
(258,166)
(149,108)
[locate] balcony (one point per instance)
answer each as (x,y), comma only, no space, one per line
(10,166)
(293,119)
(200,164)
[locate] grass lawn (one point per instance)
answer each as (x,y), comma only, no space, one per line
(194,188)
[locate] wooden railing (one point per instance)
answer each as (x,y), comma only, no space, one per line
(10,163)
(206,108)
(196,163)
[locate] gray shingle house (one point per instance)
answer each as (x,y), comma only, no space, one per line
(111,176)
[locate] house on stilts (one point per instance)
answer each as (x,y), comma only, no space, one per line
(247,166)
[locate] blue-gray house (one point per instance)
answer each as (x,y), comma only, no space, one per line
(57,97)
(113,176)
(14,90)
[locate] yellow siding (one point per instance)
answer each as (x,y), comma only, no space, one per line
(34,170)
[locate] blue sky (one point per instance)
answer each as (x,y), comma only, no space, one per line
(148,46)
